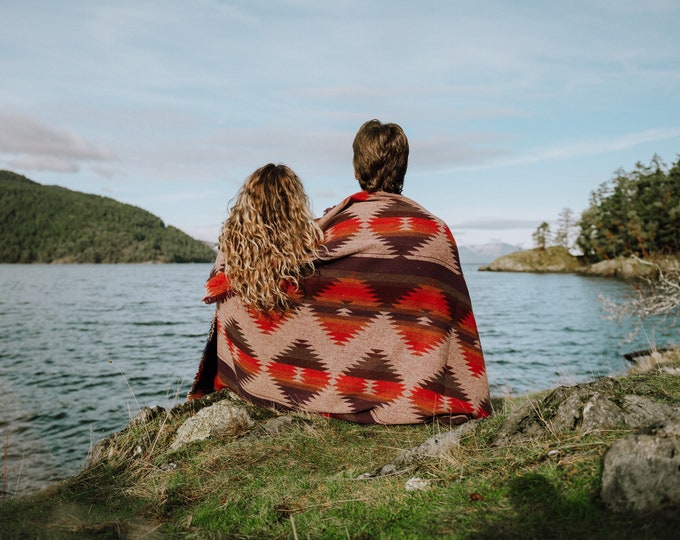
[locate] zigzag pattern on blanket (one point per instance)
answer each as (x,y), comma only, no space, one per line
(384,333)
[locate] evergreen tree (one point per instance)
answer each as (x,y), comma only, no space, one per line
(566,229)
(541,236)
(635,213)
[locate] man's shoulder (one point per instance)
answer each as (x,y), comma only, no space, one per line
(414,208)
(378,205)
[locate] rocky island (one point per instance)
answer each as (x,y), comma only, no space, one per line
(551,259)
(557,259)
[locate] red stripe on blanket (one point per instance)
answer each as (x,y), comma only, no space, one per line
(368,389)
(342,229)
(425,300)
(434,403)
(267,322)
(310,379)
(423,226)
(420,338)
(247,363)
(345,291)
(216,287)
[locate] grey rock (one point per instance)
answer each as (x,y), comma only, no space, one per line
(642,471)
(599,413)
(433,447)
(582,408)
(145,415)
(219,418)
(275,427)
(641,411)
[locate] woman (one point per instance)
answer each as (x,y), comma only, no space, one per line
(269,240)
(267,244)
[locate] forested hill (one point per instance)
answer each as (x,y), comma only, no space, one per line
(51,224)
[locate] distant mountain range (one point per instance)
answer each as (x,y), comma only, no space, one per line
(485,253)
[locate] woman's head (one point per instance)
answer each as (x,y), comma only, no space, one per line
(270,237)
(380,157)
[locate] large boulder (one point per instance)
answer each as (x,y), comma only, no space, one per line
(642,471)
(220,418)
(620,267)
(585,408)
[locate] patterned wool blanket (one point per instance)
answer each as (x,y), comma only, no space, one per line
(383,332)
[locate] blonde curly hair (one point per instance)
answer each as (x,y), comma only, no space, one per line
(270,239)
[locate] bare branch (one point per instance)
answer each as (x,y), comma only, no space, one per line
(657,295)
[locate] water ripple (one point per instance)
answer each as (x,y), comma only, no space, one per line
(81,354)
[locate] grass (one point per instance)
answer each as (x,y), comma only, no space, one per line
(303,483)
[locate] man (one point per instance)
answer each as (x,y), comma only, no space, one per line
(385,331)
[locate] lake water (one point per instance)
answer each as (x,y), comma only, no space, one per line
(83,347)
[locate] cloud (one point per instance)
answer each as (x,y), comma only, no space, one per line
(42,163)
(33,145)
(471,149)
(104,172)
(493,158)
(598,146)
(252,147)
(497,224)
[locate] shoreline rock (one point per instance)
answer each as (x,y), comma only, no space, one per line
(641,472)
(557,259)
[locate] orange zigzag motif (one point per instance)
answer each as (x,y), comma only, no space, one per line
(433,403)
(267,322)
(342,307)
(342,230)
(427,306)
(373,379)
(216,288)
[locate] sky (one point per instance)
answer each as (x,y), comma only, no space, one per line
(514,111)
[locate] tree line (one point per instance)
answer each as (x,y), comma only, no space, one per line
(45,224)
(635,213)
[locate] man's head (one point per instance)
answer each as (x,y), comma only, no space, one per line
(380,157)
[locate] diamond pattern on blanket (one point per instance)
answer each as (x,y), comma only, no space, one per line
(404,234)
(232,331)
(372,380)
(453,247)
(467,334)
(245,363)
(382,333)
(342,232)
(344,307)
(268,323)
(424,313)
(299,372)
(441,394)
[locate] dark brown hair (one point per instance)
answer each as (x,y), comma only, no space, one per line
(380,157)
